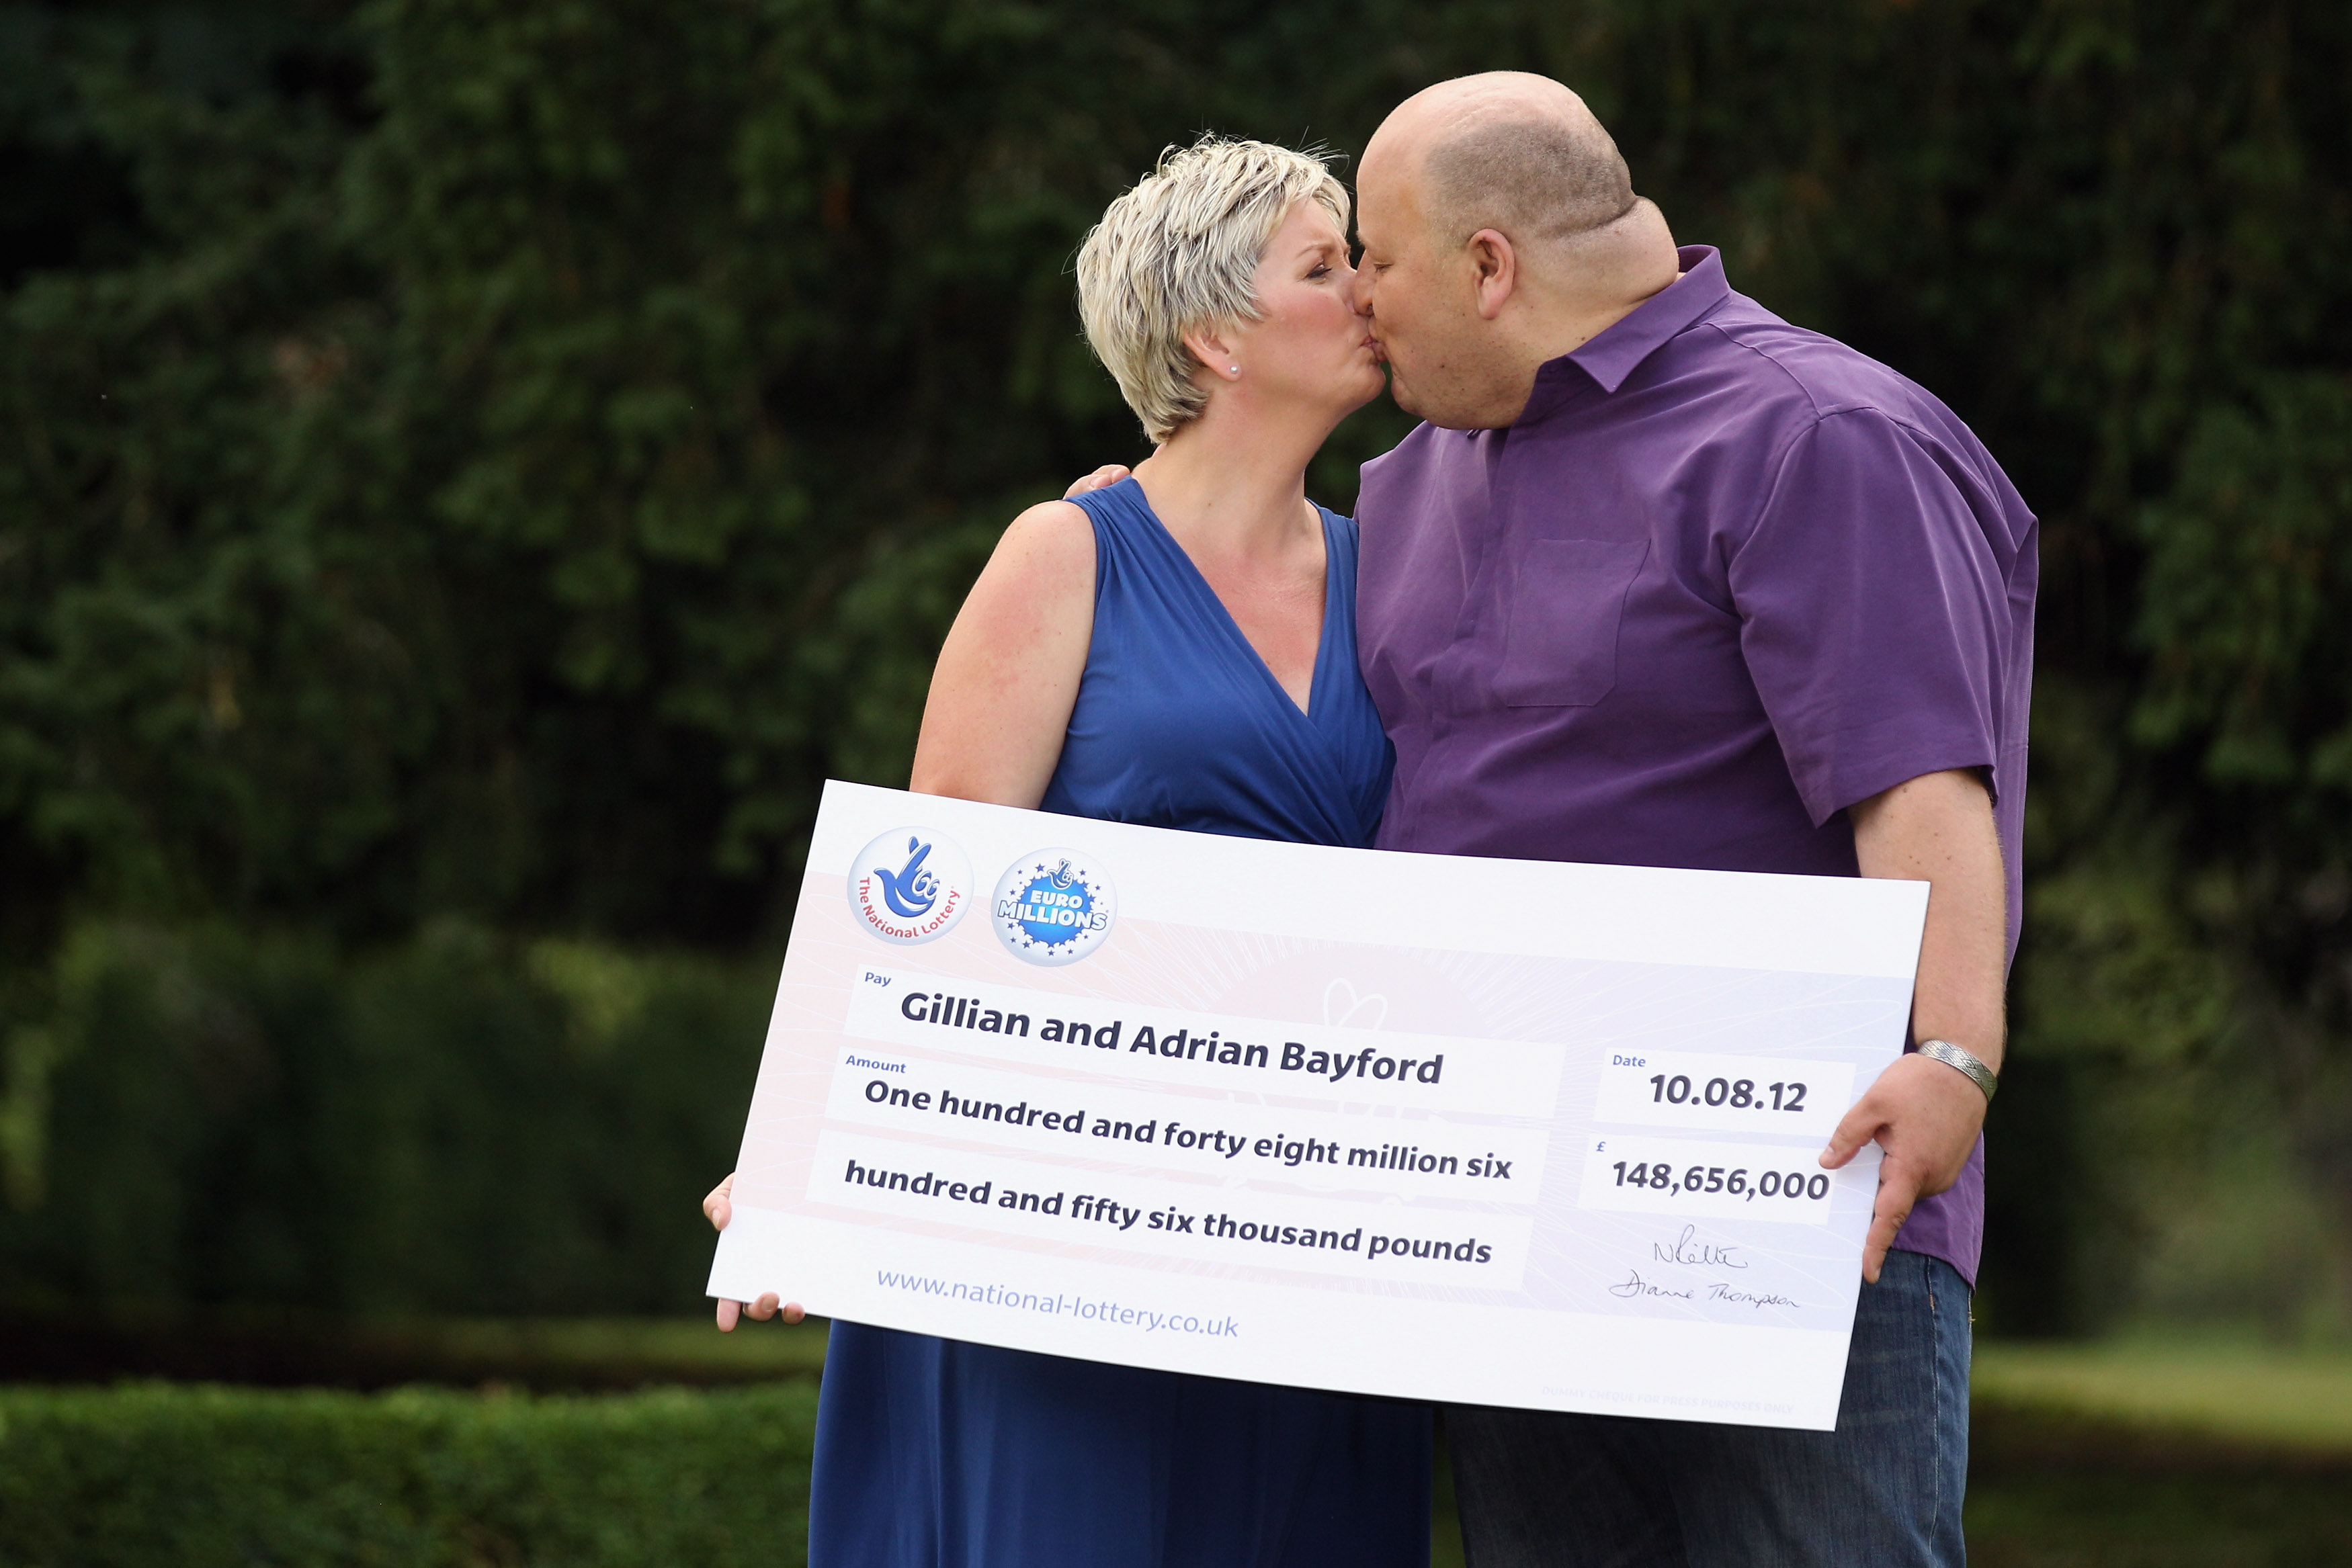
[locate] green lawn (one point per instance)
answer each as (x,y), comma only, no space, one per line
(2240,1394)
(692,1350)
(295,1350)
(2160,1456)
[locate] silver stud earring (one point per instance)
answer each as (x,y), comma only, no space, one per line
(1236,369)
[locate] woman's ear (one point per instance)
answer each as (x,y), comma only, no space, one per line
(1211,345)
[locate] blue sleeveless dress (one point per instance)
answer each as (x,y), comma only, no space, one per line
(933,1453)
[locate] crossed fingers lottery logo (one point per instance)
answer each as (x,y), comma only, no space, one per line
(909,886)
(1053,906)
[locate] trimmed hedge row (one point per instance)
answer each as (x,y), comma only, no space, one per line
(143,1474)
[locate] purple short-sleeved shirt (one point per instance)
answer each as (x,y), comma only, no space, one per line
(1724,579)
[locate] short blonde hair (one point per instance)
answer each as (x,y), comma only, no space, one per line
(1180,252)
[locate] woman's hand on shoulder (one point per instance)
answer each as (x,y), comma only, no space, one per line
(1008,674)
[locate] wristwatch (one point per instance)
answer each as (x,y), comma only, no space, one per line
(1951,1055)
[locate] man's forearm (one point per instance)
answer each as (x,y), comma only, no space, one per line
(1939,828)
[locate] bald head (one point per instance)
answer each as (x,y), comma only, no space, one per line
(1500,231)
(1506,151)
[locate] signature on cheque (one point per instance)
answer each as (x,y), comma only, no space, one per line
(1633,1287)
(1688,1251)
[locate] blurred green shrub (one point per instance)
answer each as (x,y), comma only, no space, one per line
(459,1125)
(207,1476)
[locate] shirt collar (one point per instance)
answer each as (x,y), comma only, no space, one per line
(1615,353)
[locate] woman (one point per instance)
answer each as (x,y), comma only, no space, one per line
(1177,649)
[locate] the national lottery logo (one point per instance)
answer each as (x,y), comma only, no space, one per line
(909,886)
(1053,906)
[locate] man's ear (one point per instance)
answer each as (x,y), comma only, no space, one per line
(1493,271)
(1213,349)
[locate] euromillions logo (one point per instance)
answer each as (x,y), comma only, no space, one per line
(1053,906)
(909,886)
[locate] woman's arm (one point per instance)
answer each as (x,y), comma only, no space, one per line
(1008,674)
(1000,703)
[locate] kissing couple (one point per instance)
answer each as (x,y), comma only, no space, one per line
(1659,580)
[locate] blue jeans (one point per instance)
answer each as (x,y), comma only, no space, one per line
(1545,1491)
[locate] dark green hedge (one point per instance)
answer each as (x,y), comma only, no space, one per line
(466,1124)
(151,1474)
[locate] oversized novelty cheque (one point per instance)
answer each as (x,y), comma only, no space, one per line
(1492,1132)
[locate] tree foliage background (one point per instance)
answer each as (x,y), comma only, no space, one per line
(470,468)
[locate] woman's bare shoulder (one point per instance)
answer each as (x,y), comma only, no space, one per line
(1053,531)
(1002,693)
(1049,549)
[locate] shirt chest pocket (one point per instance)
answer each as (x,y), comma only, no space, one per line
(1559,648)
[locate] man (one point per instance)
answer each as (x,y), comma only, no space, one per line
(1665,581)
